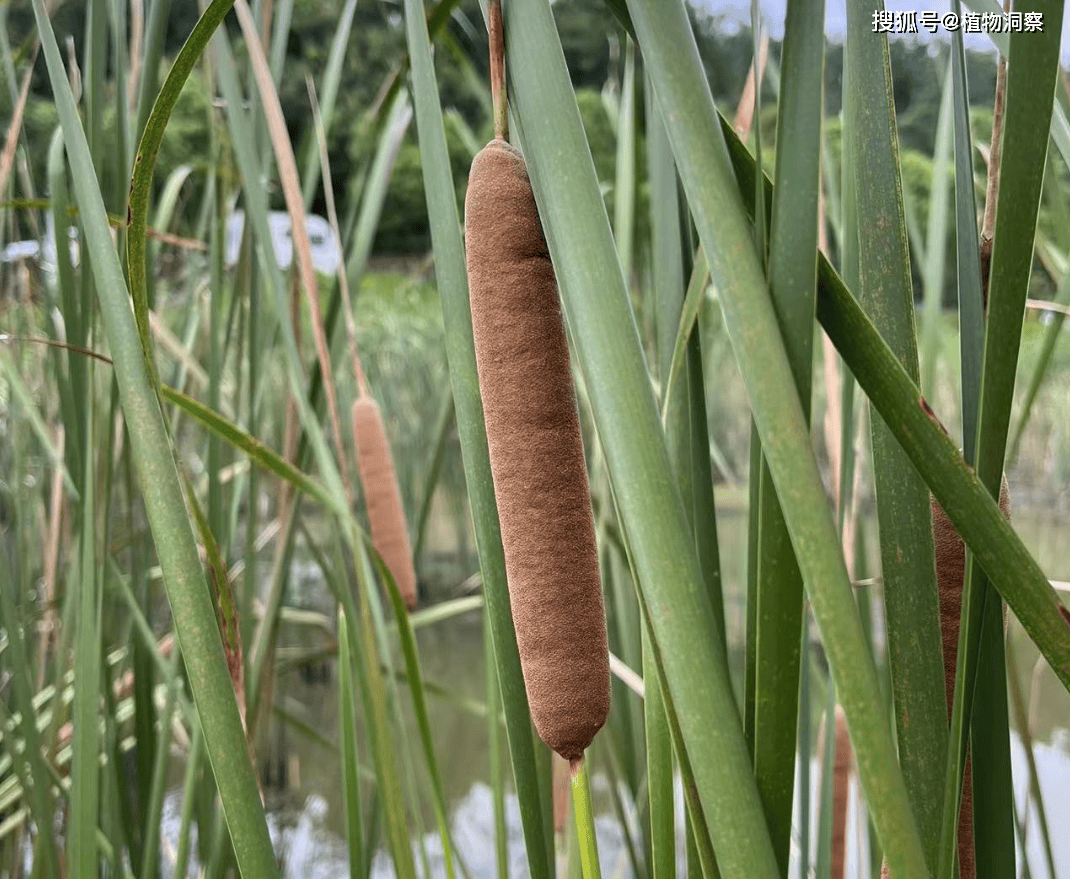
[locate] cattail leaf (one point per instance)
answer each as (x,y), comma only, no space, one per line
(972,509)
(223,596)
(936,239)
(257,452)
(625,187)
(188,594)
(145,163)
(347,752)
(672,57)
(886,293)
(968,255)
(668,258)
(792,274)
(416,691)
(332,76)
(18,715)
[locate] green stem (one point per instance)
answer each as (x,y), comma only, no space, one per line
(581,803)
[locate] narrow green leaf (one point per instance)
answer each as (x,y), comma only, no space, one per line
(624,190)
(257,452)
(792,273)
(935,241)
(669,49)
(416,690)
(348,756)
(145,163)
(911,603)
(187,591)
(85,767)
(968,252)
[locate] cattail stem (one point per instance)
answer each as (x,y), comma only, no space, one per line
(498,96)
(581,804)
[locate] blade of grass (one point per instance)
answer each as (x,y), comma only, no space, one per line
(659,777)
(911,603)
(332,76)
(85,767)
(155,31)
(348,756)
(624,190)
(668,278)
(287,166)
(792,274)
(145,162)
(494,750)
(416,690)
(968,253)
(187,591)
(453,290)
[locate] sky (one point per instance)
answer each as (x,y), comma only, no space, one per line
(836,18)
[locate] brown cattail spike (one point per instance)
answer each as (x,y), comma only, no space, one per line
(390,535)
(950,572)
(536,455)
(841,785)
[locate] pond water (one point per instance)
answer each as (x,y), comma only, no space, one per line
(303,781)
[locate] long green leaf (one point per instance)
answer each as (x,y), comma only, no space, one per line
(936,240)
(669,48)
(416,690)
(347,752)
(911,603)
(85,767)
(145,163)
(792,276)
(194,616)
(971,508)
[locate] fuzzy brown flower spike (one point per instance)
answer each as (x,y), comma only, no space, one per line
(536,453)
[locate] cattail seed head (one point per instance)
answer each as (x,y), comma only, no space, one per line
(536,455)
(386,516)
(841,785)
(950,554)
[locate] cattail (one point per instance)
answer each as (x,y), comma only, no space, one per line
(841,778)
(390,535)
(536,453)
(950,573)
(950,554)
